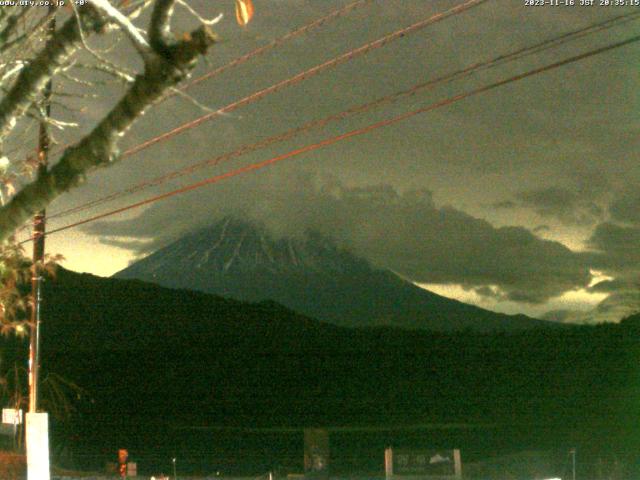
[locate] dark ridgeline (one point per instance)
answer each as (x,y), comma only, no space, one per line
(238,259)
(154,360)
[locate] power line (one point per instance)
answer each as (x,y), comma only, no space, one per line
(350,134)
(311,72)
(304,75)
(265,48)
(462,73)
(279,41)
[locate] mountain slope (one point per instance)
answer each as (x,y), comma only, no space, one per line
(310,275)
(153,360)
(157,351)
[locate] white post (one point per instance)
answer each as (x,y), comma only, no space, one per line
(457,462)
(38,446)
(388,463)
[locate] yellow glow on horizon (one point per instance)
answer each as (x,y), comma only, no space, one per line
(578,300)
(84,253)
(598,277)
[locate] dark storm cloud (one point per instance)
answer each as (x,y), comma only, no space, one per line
(610,286)
(616,241)
(569,206)
(406,232)
(506,204)
(489,292)
(626,206)
(541,228)
(622,299)
(615,252)
(618,246)
(616,306)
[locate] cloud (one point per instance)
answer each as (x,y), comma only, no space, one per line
(487,291)
(404,231)
(569,206)
(609,286)
(614,252)
(506,204)
(616,241)
(615,307)
(618,247)
(541,228)
(626,206)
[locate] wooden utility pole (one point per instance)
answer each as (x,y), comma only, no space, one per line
(37,424)
(36,270)
(39,220)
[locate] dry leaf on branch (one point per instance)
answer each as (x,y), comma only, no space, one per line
(244,11)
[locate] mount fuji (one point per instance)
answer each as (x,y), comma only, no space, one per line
(311,275)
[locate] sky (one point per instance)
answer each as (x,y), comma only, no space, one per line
(521,199)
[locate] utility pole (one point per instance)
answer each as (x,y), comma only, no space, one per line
(38,423)
(44,142)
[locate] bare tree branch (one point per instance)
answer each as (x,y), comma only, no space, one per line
(26,36)
(12,24)
(192,100)
(129,28)
(162,71)
(34,77)
(209,22)
(160,29)
(113,70)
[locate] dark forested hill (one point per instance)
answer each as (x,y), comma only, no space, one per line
(148,355)
(140,346)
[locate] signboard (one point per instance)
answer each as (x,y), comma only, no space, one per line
(11,416)
(429,463)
